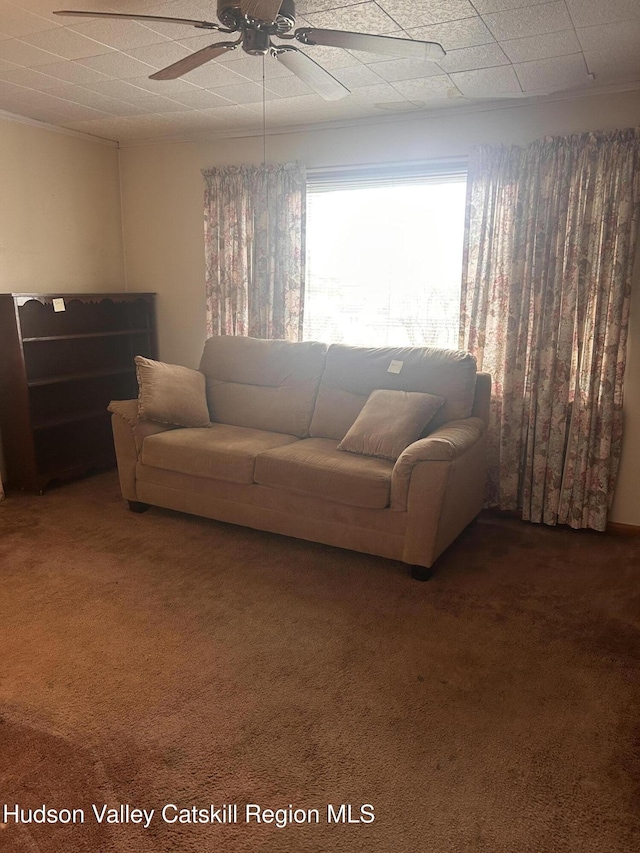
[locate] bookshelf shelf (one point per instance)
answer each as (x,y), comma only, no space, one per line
(63,358)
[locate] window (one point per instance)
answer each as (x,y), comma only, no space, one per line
(384,256)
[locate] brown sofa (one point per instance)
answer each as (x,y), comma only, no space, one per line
(270,458)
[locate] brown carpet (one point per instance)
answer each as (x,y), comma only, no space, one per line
(162,659)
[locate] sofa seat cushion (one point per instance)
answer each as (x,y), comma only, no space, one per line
(315,466)
(221,452)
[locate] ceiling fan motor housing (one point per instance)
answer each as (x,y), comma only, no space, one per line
(230,15)
(256,42)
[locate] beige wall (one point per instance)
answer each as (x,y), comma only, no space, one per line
(162,196)
(60,223)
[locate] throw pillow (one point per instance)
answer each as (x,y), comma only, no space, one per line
(389,422)
(171,394)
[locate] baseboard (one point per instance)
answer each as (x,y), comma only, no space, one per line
(623,529)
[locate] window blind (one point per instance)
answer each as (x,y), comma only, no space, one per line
(386,175)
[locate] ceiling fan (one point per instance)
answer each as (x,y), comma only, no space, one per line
(257,22)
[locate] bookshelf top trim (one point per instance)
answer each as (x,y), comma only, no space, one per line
(47,298)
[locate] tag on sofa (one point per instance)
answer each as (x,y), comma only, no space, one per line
(58,305)
(395,367)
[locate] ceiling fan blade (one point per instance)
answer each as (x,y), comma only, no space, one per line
(194,60)
(314,75)
(408,48)
(263,10)
(203,25)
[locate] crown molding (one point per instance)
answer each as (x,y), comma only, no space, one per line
(54,128)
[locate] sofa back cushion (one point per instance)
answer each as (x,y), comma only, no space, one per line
(270,385)
(352,373)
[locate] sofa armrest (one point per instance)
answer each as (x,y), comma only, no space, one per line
(445,444)
(126,409)
(129,433)
(140,429)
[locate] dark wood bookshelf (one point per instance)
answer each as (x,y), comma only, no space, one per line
(59,369)
(75,377)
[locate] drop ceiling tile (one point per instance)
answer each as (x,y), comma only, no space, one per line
(106,128)
(303,7)
(487,6)
(361,18)
(531,21)
(162,87)
(586,13)
(287,87)
(67,43)
(404,69)
(553,74)
(10,90)
(233,114)
(159,55)
(156,104)
(608,36)
(64,107)
(80,95)
(470,58)
(244,93)
(71,72)
(45,8)
(16,22)
(544,46)
(420,13)
(168,107)
(356,75)
(37,113)
(81,112)
(214,74)
(424,90)
(120,89)
(118,65)
(201,99)
(28,77)
(21,53)
(622,65)
(487,82)
(186,124)
(468,32)
(382,93)
(183,9)
(120,35)
(179,9)
(148,126)
(284,106)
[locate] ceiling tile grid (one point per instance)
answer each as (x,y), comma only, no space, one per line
(92,74)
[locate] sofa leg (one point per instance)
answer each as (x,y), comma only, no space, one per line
(421,573)
(136,506)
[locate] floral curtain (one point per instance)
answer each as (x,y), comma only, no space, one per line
(550,238)
(254,250)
